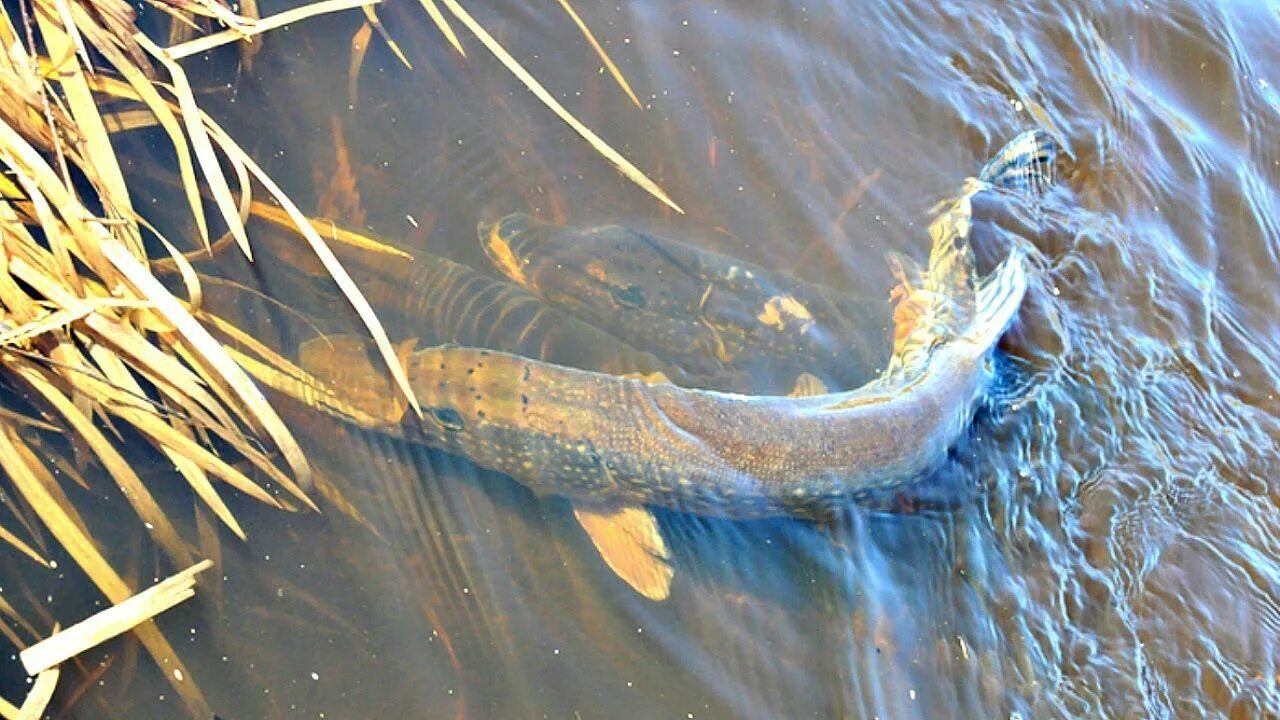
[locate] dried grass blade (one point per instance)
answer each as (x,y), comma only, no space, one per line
(438,18)
(27,162)
(372,18)
(39,696)
(63,317)
(135,492)
(21,546)
(8,710)
(148,95)
(255,404)
(115,620)
(329,230)
(629,170)
(200,143)
(104,169)
(160,432)
(271,22)
(331,264)
(604,56)
(81,549)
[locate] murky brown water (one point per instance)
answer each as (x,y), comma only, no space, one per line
(1113,548)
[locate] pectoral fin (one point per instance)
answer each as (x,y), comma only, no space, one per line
(808,384)
(631,544)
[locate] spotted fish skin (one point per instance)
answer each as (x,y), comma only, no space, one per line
(703,311)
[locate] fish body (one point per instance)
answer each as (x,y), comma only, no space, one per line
(604,439)
(706,312)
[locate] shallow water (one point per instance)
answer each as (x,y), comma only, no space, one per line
(1109,543)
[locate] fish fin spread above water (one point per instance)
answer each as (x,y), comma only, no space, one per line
(997,299)
(631,544)
(1025,164)
(344,362)
(808,385)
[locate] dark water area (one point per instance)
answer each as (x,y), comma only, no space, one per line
(1107,536)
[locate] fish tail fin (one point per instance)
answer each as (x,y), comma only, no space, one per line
(1024,165)
(997,299)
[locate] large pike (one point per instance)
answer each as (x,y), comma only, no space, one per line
(614,445)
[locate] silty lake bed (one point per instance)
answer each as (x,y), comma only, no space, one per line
(1102,544)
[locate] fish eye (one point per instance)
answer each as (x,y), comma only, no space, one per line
(447,418)
(631,296)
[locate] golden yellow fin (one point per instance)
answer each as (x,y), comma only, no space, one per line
(345,363)
(654,378)
(631,544)
(808,384)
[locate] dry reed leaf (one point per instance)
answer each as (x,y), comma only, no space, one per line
(115,620)
(254,403)
(446,29)
(20,419)
(8,710)
(604,56)
(135,492)
(126,340)
(329,230)
(103,169)
(63,317)
(159,108)
(39,696)
(372,18)
(41,472)
(271,22)
(624,165)
(331,264)
(18,544)
(27,163)
(17,619)
(82,550)
(200,143)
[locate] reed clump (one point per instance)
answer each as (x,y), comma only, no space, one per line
(94,349)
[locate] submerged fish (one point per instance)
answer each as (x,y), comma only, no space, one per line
(706,312)
(615,445)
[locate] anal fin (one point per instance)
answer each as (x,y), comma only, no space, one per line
(631,544)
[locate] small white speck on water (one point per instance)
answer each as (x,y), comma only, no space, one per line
(912,693)
(315,676)
(1017,105)
(412,222)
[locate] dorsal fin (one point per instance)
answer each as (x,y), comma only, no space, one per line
(808,385)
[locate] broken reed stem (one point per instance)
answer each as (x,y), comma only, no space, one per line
(40,695)
(113,621)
